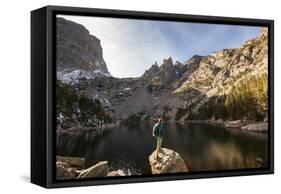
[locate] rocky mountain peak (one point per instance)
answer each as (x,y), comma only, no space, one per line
(167,63)
(167,71)
(195,59)
(264,32)
(178,64)
(153,70)
(187,68)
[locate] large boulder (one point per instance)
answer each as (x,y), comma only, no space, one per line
(65,171)
(98,170)
(73,168)
(68,167)
(118,172)
(169,161)
(74,162)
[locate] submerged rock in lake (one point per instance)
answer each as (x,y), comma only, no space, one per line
(168,161)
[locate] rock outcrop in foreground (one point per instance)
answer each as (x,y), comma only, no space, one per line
(73,168)
(169,161)
(98,170)
(68,167)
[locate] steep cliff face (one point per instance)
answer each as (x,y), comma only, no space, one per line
(79,54)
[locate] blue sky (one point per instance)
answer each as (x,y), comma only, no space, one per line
(131,46)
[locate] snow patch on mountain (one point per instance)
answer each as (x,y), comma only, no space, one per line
(75,76)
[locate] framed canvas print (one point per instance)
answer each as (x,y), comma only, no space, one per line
(125,96)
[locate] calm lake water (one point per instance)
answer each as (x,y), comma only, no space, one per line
(202,146)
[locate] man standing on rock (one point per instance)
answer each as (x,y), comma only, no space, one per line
(157,132)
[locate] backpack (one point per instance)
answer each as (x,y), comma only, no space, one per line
(158,130)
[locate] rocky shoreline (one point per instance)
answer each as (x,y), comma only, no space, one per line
(79,129)
(236,124)
(73,167)
(247,126)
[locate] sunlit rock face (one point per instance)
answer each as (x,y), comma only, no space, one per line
(218,73)
(168,161)
(221,69)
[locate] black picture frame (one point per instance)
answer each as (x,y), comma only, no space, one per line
(43,76)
